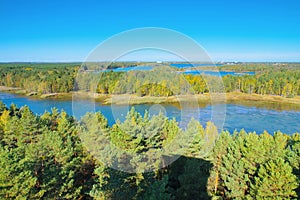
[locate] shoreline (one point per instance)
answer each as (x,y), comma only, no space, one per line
(6,88)
(232,97)
(133,99)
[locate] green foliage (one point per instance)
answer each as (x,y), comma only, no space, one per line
(54,157)
(45,78)
(2,107)
(188,178)
(39,77)
(274,80)
(275,181)
(293,155)
(157,190)
(249,164)
(41,157)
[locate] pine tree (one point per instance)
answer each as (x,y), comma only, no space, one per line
(194,140)
(17,179)
(275,180)
(2,107)
(232,171)
(157,190)
(215,185)
(38,160)
(293,156)
(193,179)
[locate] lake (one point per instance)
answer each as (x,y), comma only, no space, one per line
(248,115)
(188,65)
(217,73)
(137,68)
(187,70)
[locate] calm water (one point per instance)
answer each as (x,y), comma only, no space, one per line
(251,117)
(188,65)
(137,68)
(187,71)
(215,73)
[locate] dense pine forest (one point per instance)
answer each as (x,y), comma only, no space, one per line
(49,157)
(44,78)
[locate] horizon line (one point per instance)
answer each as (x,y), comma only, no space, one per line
(157,61)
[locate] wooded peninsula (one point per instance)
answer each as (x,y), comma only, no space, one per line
(278,82)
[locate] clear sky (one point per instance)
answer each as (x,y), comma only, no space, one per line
(230,30)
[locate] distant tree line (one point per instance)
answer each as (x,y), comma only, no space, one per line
(260,67)
(168,83)
(52,156)
(285,84)
(283,80)
(41,78)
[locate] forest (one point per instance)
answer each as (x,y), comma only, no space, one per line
(275,79)
(54,156)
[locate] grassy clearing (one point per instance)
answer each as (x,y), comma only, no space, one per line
(5,88)
(235,96)
(201,98)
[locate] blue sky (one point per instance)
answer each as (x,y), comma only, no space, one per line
(229,30)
